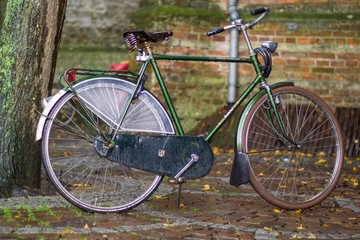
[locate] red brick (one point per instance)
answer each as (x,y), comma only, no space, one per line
(322,55)
(352,63)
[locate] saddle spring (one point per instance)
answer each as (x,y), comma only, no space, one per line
(131,42)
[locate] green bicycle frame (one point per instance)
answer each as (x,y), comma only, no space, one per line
(251,60)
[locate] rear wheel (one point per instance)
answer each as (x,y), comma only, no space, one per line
(83,176)
(300,170)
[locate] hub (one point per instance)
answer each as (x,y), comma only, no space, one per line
(102,147)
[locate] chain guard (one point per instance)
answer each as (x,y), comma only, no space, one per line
(164,155)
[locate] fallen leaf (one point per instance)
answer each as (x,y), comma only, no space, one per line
(320,161)
(86,226)
(278,211)
(300,227)
(321,153)
(81,185)
(67,231)
(169,225)
(268,228)
(206,187)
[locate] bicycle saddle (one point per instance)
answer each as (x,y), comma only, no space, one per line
(136,38)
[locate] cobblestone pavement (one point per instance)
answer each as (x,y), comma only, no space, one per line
(210,209)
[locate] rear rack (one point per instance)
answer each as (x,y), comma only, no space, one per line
(75,75)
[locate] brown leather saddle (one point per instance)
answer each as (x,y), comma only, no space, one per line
(138,38)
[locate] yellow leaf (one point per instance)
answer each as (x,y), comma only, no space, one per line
(354,169)
(320,161)
(300,227)
(352,218)
(181,205)
(301,169)
(327,225)
(231,151)
(160,197)
(321,153)
(261,174)
(277,210)
(81,185)
(268,228)
(238,235)
(299,154)
(67,231)
(86,226)
(206,187)
(217,150)
(299,211)
(169,225)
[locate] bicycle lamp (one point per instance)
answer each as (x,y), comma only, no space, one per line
(272,46)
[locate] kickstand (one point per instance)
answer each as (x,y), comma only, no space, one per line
(179,195)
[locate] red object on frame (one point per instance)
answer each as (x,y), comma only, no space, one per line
(120,66)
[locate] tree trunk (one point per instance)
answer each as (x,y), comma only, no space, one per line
(29,42)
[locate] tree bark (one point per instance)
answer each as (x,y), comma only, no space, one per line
(29,42)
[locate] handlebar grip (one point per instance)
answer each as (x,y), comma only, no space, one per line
(215,31)
(257,11)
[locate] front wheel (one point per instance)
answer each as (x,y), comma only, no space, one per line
(301,168)
(81,175)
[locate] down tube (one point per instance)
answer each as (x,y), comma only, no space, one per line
(168,101)
(246,93)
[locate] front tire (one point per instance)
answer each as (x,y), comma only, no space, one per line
(301,170)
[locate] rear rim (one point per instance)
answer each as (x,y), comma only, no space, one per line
(81,175)
(303,171)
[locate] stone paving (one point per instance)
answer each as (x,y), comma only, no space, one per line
(210,209)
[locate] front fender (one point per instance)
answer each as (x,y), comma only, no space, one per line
(249,105)
(45,113)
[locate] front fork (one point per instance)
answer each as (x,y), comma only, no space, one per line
(272,111)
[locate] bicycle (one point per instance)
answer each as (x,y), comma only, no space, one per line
(107,142)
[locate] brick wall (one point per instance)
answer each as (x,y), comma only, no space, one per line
(319,51)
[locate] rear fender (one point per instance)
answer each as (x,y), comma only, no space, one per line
(45,113)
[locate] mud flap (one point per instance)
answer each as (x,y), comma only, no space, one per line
(240,169)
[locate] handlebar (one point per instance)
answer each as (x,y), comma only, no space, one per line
(264,11)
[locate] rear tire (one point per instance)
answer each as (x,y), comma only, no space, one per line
(81,175)
(293,176)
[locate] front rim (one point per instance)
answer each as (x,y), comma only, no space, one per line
(292,175)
